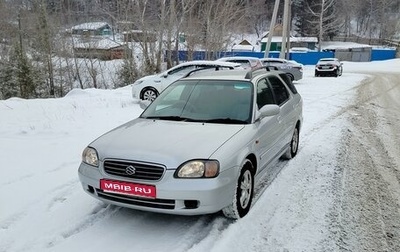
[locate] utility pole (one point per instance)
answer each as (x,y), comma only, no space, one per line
(285,29)
(288,28)
(271,29)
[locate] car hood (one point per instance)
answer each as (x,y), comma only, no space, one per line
(165,142)
(150,77)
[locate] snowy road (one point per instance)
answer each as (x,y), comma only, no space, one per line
(368,200)
(341,193)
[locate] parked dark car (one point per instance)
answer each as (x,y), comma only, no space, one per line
(328,67)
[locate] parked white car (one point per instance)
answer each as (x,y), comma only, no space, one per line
(246,62)
(149,87)
(293,69)
(200,147)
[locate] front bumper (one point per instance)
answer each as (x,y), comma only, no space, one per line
(174,196)
(135,92)
(326,69)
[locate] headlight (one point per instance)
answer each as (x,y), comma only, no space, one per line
(198,169)
(137,82)
(90,157)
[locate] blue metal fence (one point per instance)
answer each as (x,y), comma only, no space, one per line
(306,58)
(383,54)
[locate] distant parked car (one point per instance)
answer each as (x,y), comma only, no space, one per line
(328,67)
(201,147)
(293,69)
(246,62)
(149,87)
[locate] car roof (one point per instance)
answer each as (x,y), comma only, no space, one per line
(219,75)
(232,74)
(273,59)
(237,58)
(328,59)
(207,63)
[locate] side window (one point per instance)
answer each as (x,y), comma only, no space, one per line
(264,94)
(280,92)
(288,82)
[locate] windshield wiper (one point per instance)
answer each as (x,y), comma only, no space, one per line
(170,118)
(225,120)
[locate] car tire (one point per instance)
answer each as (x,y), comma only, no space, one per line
(293,146)
(149,94)
(243,195)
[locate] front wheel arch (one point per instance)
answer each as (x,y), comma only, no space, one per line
(293,148)
(244,192)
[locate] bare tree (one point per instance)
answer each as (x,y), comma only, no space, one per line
(326,20)
(258,16)
(44,43)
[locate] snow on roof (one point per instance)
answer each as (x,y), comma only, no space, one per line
(342,45)
(99,44)
(248,48)
(276,39)
(209,63)
(89,26)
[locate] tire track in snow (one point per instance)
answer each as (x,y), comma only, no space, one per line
(366,215)
(65,165)
(371,79)
(99,213)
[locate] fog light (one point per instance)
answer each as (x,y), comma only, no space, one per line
(191,204)
(90,189)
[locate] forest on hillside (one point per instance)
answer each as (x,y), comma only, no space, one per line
(36,42)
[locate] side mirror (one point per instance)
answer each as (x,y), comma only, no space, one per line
(144,103)
(268,110)
(165,75)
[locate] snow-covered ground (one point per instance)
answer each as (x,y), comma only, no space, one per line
(44,208)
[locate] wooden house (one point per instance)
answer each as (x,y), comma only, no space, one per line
(92,29)
(276,41)
(105,49)
(243,46)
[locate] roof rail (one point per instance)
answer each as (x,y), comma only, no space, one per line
(216,67)
(250,73)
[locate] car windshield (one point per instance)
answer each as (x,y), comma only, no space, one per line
(210,101)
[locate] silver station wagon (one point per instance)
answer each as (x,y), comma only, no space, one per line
(200,147)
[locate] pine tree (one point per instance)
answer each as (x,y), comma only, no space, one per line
(128,72)
(8,82)
(23,73)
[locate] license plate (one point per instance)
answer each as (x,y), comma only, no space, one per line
(326,67)
(128,188)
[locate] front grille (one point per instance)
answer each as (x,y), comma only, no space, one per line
(137,201)
(136,170)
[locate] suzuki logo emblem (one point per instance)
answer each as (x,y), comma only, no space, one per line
(130,170)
